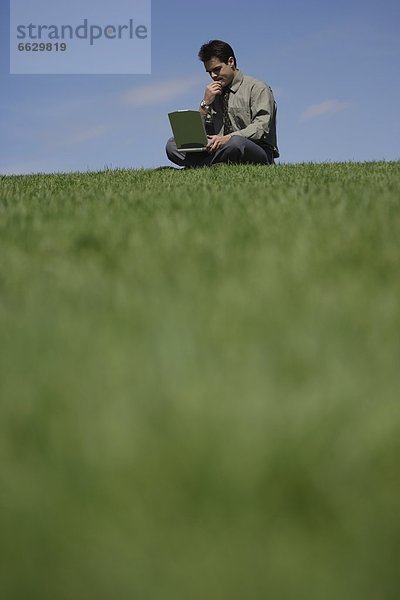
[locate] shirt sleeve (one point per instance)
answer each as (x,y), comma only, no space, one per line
(262,110)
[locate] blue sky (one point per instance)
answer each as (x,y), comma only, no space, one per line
(334,67)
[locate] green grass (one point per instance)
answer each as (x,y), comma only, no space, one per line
(199,384)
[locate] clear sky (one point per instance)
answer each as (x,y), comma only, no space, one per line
(334,66)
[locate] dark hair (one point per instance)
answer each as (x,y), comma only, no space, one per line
(216,48)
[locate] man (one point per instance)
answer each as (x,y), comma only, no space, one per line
(239,113)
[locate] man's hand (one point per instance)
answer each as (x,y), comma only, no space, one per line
(215,142)
(213,89)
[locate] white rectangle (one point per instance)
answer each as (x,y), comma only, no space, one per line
(80,37)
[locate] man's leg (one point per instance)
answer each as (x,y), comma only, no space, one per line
(190,159)
(237,150)
(242,150)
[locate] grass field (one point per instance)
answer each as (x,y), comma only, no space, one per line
(199,380)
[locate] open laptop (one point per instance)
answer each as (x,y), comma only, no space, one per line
(189,131)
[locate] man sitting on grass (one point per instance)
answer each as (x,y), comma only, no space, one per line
(239,112)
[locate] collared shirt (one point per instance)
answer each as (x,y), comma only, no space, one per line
(251,109)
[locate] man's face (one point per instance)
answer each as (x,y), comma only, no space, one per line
(220,71)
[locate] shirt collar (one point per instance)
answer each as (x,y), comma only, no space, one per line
(236,82)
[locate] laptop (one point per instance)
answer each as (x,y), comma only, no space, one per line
(189,130)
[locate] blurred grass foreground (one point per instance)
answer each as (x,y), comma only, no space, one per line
(199,379)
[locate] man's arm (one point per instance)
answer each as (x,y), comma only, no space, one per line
(215,142)
(204,109)
(213,89)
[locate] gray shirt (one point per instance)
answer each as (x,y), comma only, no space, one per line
(251,109)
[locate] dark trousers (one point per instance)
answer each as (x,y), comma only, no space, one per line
(237,150)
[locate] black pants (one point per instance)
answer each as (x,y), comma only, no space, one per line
(237,150)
